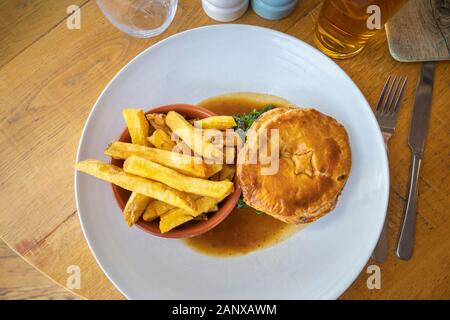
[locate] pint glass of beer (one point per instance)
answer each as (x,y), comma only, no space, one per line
(344,26)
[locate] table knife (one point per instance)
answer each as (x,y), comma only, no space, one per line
(416,141)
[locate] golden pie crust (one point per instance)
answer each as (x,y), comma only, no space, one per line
(314,164)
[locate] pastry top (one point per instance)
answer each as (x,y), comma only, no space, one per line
(314,161)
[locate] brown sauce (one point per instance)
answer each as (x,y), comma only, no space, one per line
(244,230)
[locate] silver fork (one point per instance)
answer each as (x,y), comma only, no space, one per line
(386,113)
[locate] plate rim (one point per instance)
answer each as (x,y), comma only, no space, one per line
(342,286)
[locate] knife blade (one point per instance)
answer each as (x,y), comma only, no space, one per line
(421,109)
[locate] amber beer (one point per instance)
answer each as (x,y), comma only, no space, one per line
(344,26)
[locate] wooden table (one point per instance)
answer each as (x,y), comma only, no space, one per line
(51,76)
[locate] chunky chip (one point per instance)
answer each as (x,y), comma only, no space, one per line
(161,140)
(227,172)
(191,136)
(175,217)
(152,189)
(185,164)
(156,209)
(151,170)
(158,121)
(138,126)
(134,208)
(216,122)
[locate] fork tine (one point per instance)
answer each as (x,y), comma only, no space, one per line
(388,95)
(390,105)
(397,102)
(383,92)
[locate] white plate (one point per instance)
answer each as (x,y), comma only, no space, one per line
(318,262)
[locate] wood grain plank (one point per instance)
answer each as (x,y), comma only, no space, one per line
(42,115)
(424,277)
(370,70)
(19,280)
(41,121)
(420,31)
(71,78)
(22,22)
(50,256)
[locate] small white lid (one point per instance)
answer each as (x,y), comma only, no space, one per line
(226,3)
(225,13)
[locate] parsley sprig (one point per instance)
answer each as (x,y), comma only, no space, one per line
(244,121)
(243,205)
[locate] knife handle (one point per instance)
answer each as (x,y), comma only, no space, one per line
(405,243)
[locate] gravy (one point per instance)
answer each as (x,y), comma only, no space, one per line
(243,230)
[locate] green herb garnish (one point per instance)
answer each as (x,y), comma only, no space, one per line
(244,121)
(242,204)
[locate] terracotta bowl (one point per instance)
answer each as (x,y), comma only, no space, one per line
(192,228)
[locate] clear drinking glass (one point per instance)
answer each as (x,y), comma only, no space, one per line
(139,18)
(342,29)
